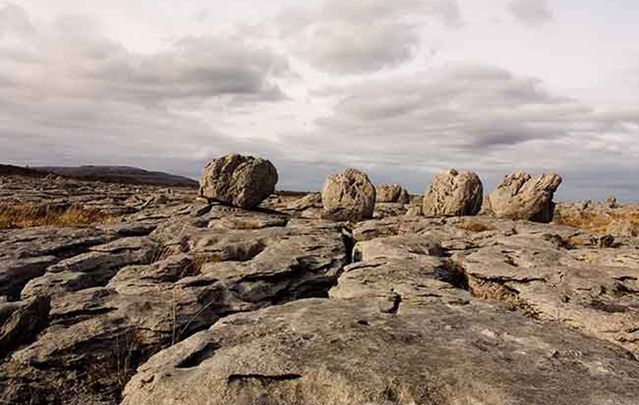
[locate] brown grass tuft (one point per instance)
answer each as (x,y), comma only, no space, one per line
(597,221)
(473,226)
(29,215)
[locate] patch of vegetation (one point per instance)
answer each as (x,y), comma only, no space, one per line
(473,226)
(597,221)
(30,215)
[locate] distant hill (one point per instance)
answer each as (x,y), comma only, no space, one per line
(120,174)
(108,174)
(10,170)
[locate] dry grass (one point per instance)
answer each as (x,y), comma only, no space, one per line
(473,226)
(500,292)
(28,216)
(598,221)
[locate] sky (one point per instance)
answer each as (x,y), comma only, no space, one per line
(401,89)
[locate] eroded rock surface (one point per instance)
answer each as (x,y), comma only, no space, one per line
(194,303)
(118,293)
(349,352)
(432,311)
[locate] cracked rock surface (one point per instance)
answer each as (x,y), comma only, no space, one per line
(186,302)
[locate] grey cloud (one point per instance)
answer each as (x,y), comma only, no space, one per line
(356,37)
(14,19)
(464,106)
(71,95)
(531,12)
(471,117)
(353,48)
(371,10)
(85,64)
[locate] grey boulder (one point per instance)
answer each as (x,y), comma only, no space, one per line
(387,193)
(521,196)
(348,196)
(453,193)
(240,181)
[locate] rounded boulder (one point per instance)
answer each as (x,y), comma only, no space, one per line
(240,181)
(453,193)
(392,193)
(348,196)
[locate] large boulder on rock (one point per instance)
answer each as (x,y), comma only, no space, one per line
(392,193)
(453,193)
(348,196)
(521,196)
(240,181)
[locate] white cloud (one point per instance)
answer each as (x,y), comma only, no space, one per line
(359,37)
(72,94)
(70,58)
(531,12)
(472,117)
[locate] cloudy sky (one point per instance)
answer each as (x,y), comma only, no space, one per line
(400,88)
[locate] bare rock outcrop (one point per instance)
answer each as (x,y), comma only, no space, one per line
(311,200)
(309,206)
(521,196)
(20,321)
(115,304)
(392,193)
(453,193)
(202,302)
(437,316)
(328,351)
(240,181)
(348,196)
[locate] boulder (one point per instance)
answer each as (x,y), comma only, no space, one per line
(521,196)
(394,193)
(415,207)
(348,196)
(240,181)
(453,193)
